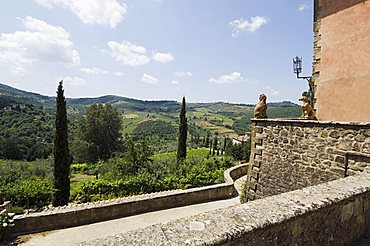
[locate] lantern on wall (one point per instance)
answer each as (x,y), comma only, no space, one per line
(297,65)
(297,69)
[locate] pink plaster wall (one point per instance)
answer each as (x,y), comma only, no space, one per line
(343,87)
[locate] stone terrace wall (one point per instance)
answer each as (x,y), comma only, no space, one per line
(334,213)
(291,154)
(81,214)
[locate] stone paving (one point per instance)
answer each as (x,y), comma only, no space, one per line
(109,232)
(105,231)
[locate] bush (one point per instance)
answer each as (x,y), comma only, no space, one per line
(79,168)
(6,221)
(162,174)
(31,193)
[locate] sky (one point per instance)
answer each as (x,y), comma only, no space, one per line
(205,50)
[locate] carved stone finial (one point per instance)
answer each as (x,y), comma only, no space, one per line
(261,108)
(307,111)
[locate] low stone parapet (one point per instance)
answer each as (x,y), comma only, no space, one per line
(6,205)
(333,213)
(82,214)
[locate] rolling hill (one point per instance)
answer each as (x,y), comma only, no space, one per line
(23,113)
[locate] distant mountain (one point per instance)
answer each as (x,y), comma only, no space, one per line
(282,104)
(13,95)
(10,95)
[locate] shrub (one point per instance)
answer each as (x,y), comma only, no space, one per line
(33,193)
(79,168)
(6,221)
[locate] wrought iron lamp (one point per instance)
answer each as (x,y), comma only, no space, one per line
(297,69)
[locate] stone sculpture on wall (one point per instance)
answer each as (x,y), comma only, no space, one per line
(261,108)
(307,111)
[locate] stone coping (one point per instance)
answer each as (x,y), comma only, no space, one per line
(292,216)
(6,205)
(315,122)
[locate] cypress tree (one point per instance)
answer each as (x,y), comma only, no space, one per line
(206,141)
(183,132)
(62,157)
(215,144)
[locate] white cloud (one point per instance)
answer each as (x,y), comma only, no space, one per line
(183,74)
(40,42)
(302,7)
(146,78)
(272,91)
(232,78)
(163,57)
(118,74)
(128,53)
(252,25)
(175,82)
(101,12)
(75,81)
(94,70)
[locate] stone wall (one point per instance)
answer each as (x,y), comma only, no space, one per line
(81,214)
(334,213)
(6,205)
(291,154)
(341,64)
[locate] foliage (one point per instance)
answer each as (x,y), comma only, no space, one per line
(100,132)
(6,221)
(79,168)
(25,132)
(183,132)
(29,193)
(241,151)
(157,128)
(62,156)
(27,184)
(157,173)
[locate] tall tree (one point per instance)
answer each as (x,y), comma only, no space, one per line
(100,130)
(62,156)
(206,141)
(183,133)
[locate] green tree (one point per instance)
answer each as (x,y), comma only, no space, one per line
(62,157)
(215,144)
(100,130)
(229,147)
(206,141)
(183,132)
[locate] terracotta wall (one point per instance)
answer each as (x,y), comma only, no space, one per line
(341,68)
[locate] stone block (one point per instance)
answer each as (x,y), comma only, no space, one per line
(366,203)
(258,129)
(324,134)
(258,141)
(254,174)
(360,138)
(334,134)
(340,159)
(257,163)
(347,212)
(358,207)
(258,151)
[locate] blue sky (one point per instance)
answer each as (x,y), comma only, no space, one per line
(207,50)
